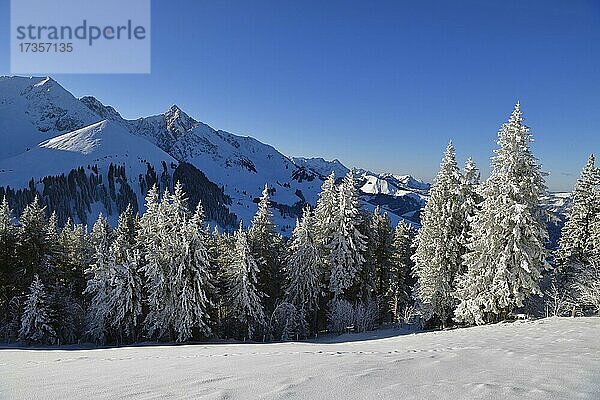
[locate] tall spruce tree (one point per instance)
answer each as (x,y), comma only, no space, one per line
(8,278)
(470,198)
(34,249)
(327,203)
(177,269)
(304,266)
(36,326)
(245,299)
(193,279)
(381,251)
(437,258)
(156,227)
(267,247)
(347,245)
(98,282)
(507,251)
(397,296)
(575,244)
(125,292)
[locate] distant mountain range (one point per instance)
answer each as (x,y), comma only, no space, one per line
(82,158)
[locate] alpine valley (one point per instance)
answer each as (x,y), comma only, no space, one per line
(81,158)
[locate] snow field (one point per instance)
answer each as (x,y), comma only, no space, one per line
(556,358)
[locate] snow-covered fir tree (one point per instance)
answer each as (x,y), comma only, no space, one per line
(76,255)
(267,247)
(98,282)
(506,254)
(126,297)
(34,249)
(193,279)
(288,322)
(225,247)
(379,256)
(325,208)
(470,197)
(125,234)
(437,258)
(176,268)
(347,244)
(304,266)
(576,244)
(125,290)
(398,289)
(595,239)
(155,229)
(36,326)
(245,299)
(65,286)
(8,237)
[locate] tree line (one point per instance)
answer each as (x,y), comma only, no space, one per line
(480,255)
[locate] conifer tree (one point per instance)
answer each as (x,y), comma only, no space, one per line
(98,283)
(125,234)
(244,297)
(36,327)
(33,247)
(177,268)
(76,255)
(381,237)
(8,238)
(192,279)
(327,203)
(575,244)
(156,227)
(267,248)
(438,252)
(347,244)
(506,254)
(125,296)
(304,266)
(398,289)
(225,247)
(470,198)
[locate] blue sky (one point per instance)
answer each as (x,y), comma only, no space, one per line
(380,85)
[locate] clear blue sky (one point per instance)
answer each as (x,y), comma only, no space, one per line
(380,85)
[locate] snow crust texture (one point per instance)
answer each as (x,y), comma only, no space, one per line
(556,358)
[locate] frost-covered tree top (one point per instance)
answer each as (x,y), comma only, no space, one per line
(262,224)
(471,175)
(516,172)
(327,201)
(6,217)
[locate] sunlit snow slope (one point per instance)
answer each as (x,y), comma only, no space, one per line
(551,359)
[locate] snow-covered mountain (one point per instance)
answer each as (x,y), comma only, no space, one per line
(36,109)
(99,144)
(47,131)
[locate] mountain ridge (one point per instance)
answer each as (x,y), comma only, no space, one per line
(39,119)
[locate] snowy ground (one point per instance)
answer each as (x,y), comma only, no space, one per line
(547,359)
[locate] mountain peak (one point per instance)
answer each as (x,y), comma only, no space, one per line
(174,109)
(178,122)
